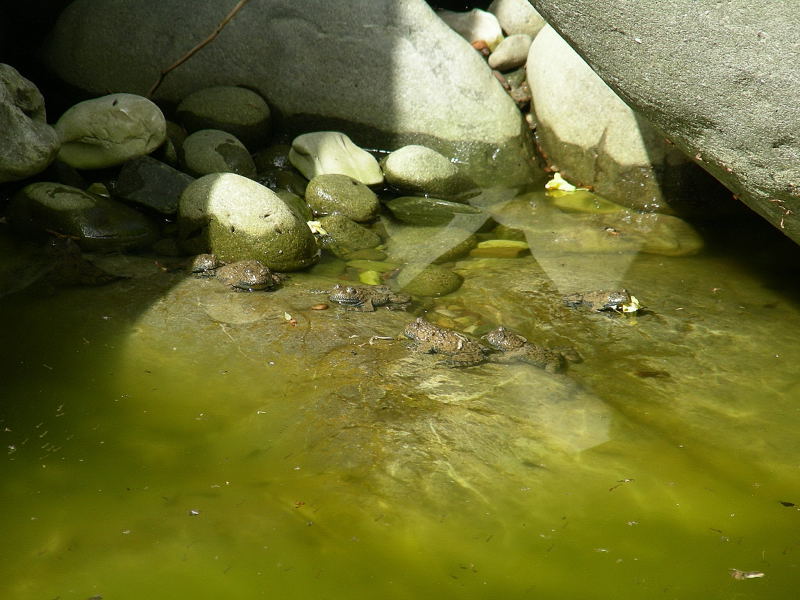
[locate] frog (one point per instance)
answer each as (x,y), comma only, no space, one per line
(460,349)
(247,276)
(367,297)
(515,348)
(601,300)
(204,265)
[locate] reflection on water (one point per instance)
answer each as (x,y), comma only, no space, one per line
(164,438)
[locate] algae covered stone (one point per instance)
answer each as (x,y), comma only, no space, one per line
(236,110)
(417,210)
(107,131)
(429,244)
(214,151)
(325,152)
(427,280)
(344,236)
(95,222)
(329,194)
(238,219)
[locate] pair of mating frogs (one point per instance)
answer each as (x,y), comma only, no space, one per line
(505,347)
(240,276)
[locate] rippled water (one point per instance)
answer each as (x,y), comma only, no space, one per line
(220,451)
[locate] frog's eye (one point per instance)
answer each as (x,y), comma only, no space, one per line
(350,289)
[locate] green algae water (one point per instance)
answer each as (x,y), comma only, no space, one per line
(165,438)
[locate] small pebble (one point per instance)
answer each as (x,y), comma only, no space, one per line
(320,307)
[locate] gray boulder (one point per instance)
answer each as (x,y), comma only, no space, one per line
(720,79)
(594,139)
(29,143)
(238,219)
(390,72)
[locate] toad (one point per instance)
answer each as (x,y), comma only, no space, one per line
(240,276)
(461,351)
(367,298)
(248,276)
(515,348)
(603,300)
(204,265)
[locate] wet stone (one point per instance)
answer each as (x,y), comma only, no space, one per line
(213,151)
(341,194)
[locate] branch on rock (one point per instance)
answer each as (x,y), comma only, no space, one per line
(198,47)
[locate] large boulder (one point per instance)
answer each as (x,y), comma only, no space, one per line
(386,72)
(594,139)
(720,79)
(29,143)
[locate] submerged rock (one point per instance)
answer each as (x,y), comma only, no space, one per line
(238,219)
(107,131)
(417,210)
(94,222)
(29,143)
(429,244)
(427,280)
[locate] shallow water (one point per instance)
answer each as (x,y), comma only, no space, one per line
(166,439)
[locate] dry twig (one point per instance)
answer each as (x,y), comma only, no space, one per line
(198,47)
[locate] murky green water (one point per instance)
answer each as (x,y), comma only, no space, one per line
(165,439)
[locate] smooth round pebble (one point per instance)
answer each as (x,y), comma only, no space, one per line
(427,280)
(214,151)
(511,53)
(107,131)
(327,152)
(344,236)
(416,169)
(236,110)
(341,194)
(238,219)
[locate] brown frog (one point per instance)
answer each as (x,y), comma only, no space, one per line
(248,276)
(240,276)
(600,300)
(515,348)
(204,265)
(367,298)
(461,351)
